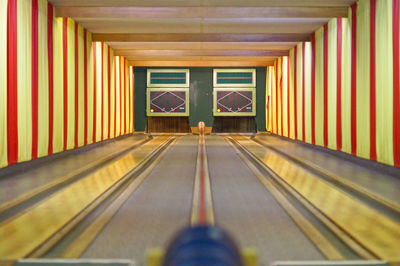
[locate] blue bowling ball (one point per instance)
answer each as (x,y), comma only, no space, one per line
(202,246)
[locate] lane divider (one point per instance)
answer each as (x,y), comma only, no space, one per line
(202,205)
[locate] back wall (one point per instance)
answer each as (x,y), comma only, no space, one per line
(201,100)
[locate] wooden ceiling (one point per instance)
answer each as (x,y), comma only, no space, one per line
(201,32)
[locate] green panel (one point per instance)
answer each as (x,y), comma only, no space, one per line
(201,88)
(235,81)
(168,81)
(260,108)
(167,78)
(168,75)
(234,75)
(140,98)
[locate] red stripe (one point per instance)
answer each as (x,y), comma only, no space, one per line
(51,74)
(288,96)
(339,86)
(276,96)
(120,96)
(102,91)
(281,99)
(65,72)
(115,96)
(372,76)
(76,85)
(396,83)
(85,71)
(125,114)
(109,91)
(35,78)
(94,91)
(353,80)
(304,93)
(12,84)
(313,88)
(133,99)
(326,85)
(295,90)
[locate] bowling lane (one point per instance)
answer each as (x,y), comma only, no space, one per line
(378,180)
(19,179)
(155,211)
(245,208)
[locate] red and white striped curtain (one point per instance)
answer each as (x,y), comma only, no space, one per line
(343,90)
(57,88)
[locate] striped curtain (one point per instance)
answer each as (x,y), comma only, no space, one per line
(343,91)
(57,88)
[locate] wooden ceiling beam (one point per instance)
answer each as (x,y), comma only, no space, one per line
(137,63)
(270,46)
(200,12)
(193,3)
(166,53)
(199,37)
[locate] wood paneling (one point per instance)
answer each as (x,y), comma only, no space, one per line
(191,3)
(200,63)
(185,37)
(269,46)
(234,125)
(201,12)
(166,53)
(168,125)
(198,25)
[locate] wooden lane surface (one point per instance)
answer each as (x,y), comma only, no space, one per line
(24,197)
(22,234)
(375,231)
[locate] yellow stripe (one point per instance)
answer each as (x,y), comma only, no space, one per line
(43,98)
(99,67)
(384,82)
(123,105)
(24,68)
(332,83)
(284,96)
(105,92)
(3,84)
(346,85)
(90,88)
(279,128)
(71,84)
(81,86)
(128,107)
(299,91)
(307,77)
(112,94)
(58,86)
(363,86)
(291,94)
(117,66)
(319,87)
